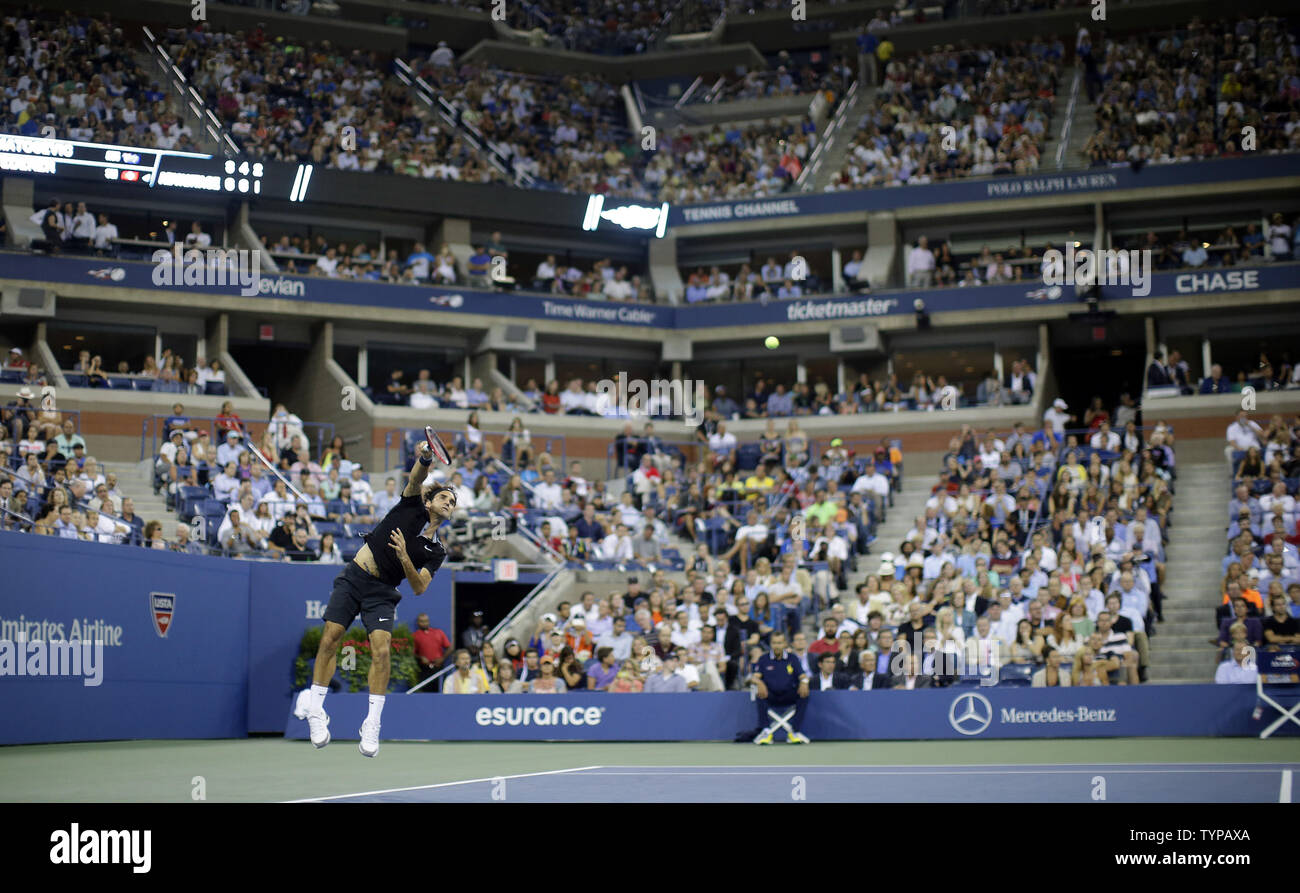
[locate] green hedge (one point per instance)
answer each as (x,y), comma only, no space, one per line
(404,671)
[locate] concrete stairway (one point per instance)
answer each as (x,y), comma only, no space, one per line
(831,160)
(1083,123)
(135,479)
(1180,650)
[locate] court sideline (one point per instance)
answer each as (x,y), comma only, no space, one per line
(273,769)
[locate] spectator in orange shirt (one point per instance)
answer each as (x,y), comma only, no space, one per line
(431,646)
(1244,587)
(579,639)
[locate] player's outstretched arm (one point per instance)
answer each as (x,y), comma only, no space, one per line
(419,470)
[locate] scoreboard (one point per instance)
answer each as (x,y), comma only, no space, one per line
(142,168)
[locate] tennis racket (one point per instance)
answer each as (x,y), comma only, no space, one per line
(435,444)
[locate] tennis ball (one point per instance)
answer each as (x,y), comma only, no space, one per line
(772,342)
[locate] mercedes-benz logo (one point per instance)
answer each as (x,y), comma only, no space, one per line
(970,713)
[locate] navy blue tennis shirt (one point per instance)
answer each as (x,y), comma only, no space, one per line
(410,516)
(780,674)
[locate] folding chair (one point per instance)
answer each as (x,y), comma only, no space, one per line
(1284,663)
(779,721)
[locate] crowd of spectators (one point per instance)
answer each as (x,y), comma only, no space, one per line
(1166,97)
(1041,551)
(51,485)
(1044,549)
(489,265)
(66,227)
(1260,588)
(996,101)
(76,73)
(570,133)
(784,78)
(169,373)
(1275,240)
(605,27)
(248,511)
(281,100)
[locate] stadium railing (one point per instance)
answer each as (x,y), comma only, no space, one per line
(75,415)
(404,440)
(152,435)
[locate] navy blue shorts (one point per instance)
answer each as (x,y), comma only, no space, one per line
(358,592)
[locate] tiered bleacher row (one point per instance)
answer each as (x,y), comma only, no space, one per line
(77,74)
(1260,608)
(1193,93)
(1038,560)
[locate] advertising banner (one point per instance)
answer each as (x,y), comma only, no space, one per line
(771,314)
(942,713)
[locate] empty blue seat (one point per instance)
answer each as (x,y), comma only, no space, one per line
(747,456)
(191,498)
(144,384)
(11,376)
(215,389)
(333,527)
(75,379)
(1016,674)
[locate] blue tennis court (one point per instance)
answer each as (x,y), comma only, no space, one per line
(1117,782)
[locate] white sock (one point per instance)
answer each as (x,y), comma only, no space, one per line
(376,708)
(318,693)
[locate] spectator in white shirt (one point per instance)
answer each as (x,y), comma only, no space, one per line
(617,546)
(105,233)
(197,238)
(230,450)
(1002,622)
(104,529)
(83,227)
(684,634)
(1056,417)
(1105,439)
(572,400)
(722,442)
(772,271)
(547,494)
(920,264)
(442,56)
(361,489)
(1240,669)
(545,274)
(328,263)
(1242,435)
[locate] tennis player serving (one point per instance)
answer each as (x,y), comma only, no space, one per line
(403,546)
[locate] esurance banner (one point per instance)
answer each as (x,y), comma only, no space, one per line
(943,713)
(1057,183)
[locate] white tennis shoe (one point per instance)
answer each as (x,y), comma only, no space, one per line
(369,745)
(302,706)
(319,723)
